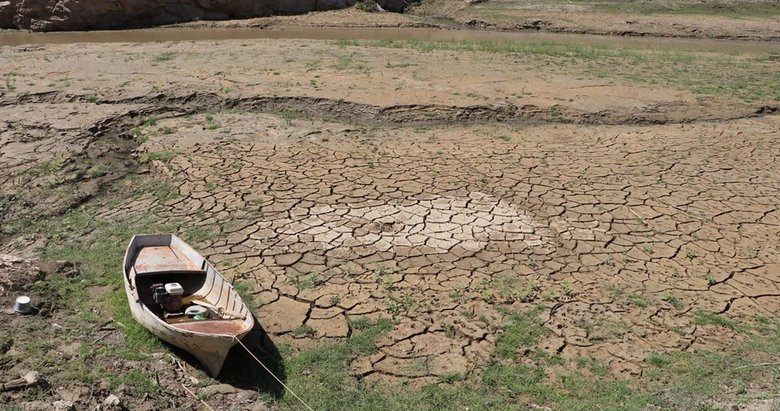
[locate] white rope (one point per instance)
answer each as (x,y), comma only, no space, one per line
(275,377)
(196,397)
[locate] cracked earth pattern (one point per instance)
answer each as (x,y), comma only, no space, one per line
(622,233)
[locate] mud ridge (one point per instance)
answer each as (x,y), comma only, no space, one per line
(341,110)
(107,147)
(534,26)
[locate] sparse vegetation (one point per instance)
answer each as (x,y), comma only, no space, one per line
(366,5)
(709,318)
(162,156)
(165,56)
(498,267)
(674,300)
(701,73)
(304,330)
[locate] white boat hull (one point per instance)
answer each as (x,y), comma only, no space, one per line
(208,341)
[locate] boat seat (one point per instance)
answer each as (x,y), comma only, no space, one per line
(156,259)
(228,327)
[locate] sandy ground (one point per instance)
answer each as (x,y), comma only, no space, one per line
(433,188)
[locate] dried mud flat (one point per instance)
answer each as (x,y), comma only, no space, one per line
(441,189)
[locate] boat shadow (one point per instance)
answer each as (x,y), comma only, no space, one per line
(242,371)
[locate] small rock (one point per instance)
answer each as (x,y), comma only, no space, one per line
(69,395)
(56,327)
(260,406)
(246,396)
(35,406)
(111,401)
(219,389)
(63,405)
(31,377)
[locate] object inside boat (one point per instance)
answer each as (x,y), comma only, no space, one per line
(183,294)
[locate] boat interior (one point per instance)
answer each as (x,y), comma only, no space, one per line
(175,262)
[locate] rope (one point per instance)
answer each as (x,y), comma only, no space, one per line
(196,397)
(275,377)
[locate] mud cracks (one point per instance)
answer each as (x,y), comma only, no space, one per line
(621,232)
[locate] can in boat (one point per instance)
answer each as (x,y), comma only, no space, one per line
(197,312)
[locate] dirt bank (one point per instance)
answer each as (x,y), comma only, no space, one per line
(69,15)
(711,19)
(727,19)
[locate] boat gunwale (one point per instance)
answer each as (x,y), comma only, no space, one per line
(130,288)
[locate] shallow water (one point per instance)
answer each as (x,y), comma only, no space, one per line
(17,38)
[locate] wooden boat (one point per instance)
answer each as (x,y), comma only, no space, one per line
(164,259)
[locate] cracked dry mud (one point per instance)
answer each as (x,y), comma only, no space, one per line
(620,231)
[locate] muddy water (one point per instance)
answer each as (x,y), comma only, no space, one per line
(16,38)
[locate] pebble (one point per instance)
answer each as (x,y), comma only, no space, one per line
(111,401)
(246,396)
(35,406)
(219,389)
(63,405)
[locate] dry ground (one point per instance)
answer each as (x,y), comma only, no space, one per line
(733,19)
(569,208)
(715,19)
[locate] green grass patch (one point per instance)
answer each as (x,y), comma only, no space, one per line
(709,318)
(305,329)
(674,300)
(676,381)
(245,291)
(521,329)
(164,191)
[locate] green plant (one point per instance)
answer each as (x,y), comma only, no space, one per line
(637,299)
(520,330)
(710,318)
(165,192)
(305,329)
(309,281)
(450,378)
(674,300)
(710,279)
(288,117)
(165,56)
(334,300)
(245,292)
(366,5)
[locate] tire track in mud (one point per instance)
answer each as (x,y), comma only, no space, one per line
(411,114)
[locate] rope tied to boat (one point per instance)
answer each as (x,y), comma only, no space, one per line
(274,375)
